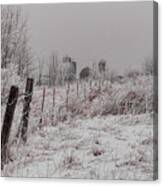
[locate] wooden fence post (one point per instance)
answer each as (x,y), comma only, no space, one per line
(26,108)
(77,88)
(42,106)
(84,90)
(67,95)
(90,84)
(99,85)
(8,117)
(52,114)
(54,91)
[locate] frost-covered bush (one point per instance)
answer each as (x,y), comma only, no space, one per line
(75,106)
(109,107)
(133,97)
(9,77)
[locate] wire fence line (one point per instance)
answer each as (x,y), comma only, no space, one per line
(81,90)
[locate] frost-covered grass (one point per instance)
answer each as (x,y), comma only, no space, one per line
(84,141)
(112,147)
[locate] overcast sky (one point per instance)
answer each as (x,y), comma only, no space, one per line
(119,32)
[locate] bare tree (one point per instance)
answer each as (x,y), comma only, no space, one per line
(113,75)
(53,69)
(40,68)
(14,40)
(102,66)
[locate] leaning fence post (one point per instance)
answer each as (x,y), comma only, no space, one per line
(8,117)
(26,108)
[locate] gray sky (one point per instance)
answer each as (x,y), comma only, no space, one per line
(119,32)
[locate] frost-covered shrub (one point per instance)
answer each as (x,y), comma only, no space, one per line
(61,114)
(109,107)
(75,106)
(134,97)
(93,94)
(133,102)
(9,77)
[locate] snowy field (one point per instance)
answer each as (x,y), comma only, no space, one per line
(86,141)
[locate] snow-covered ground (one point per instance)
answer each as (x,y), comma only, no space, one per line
(84,142)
